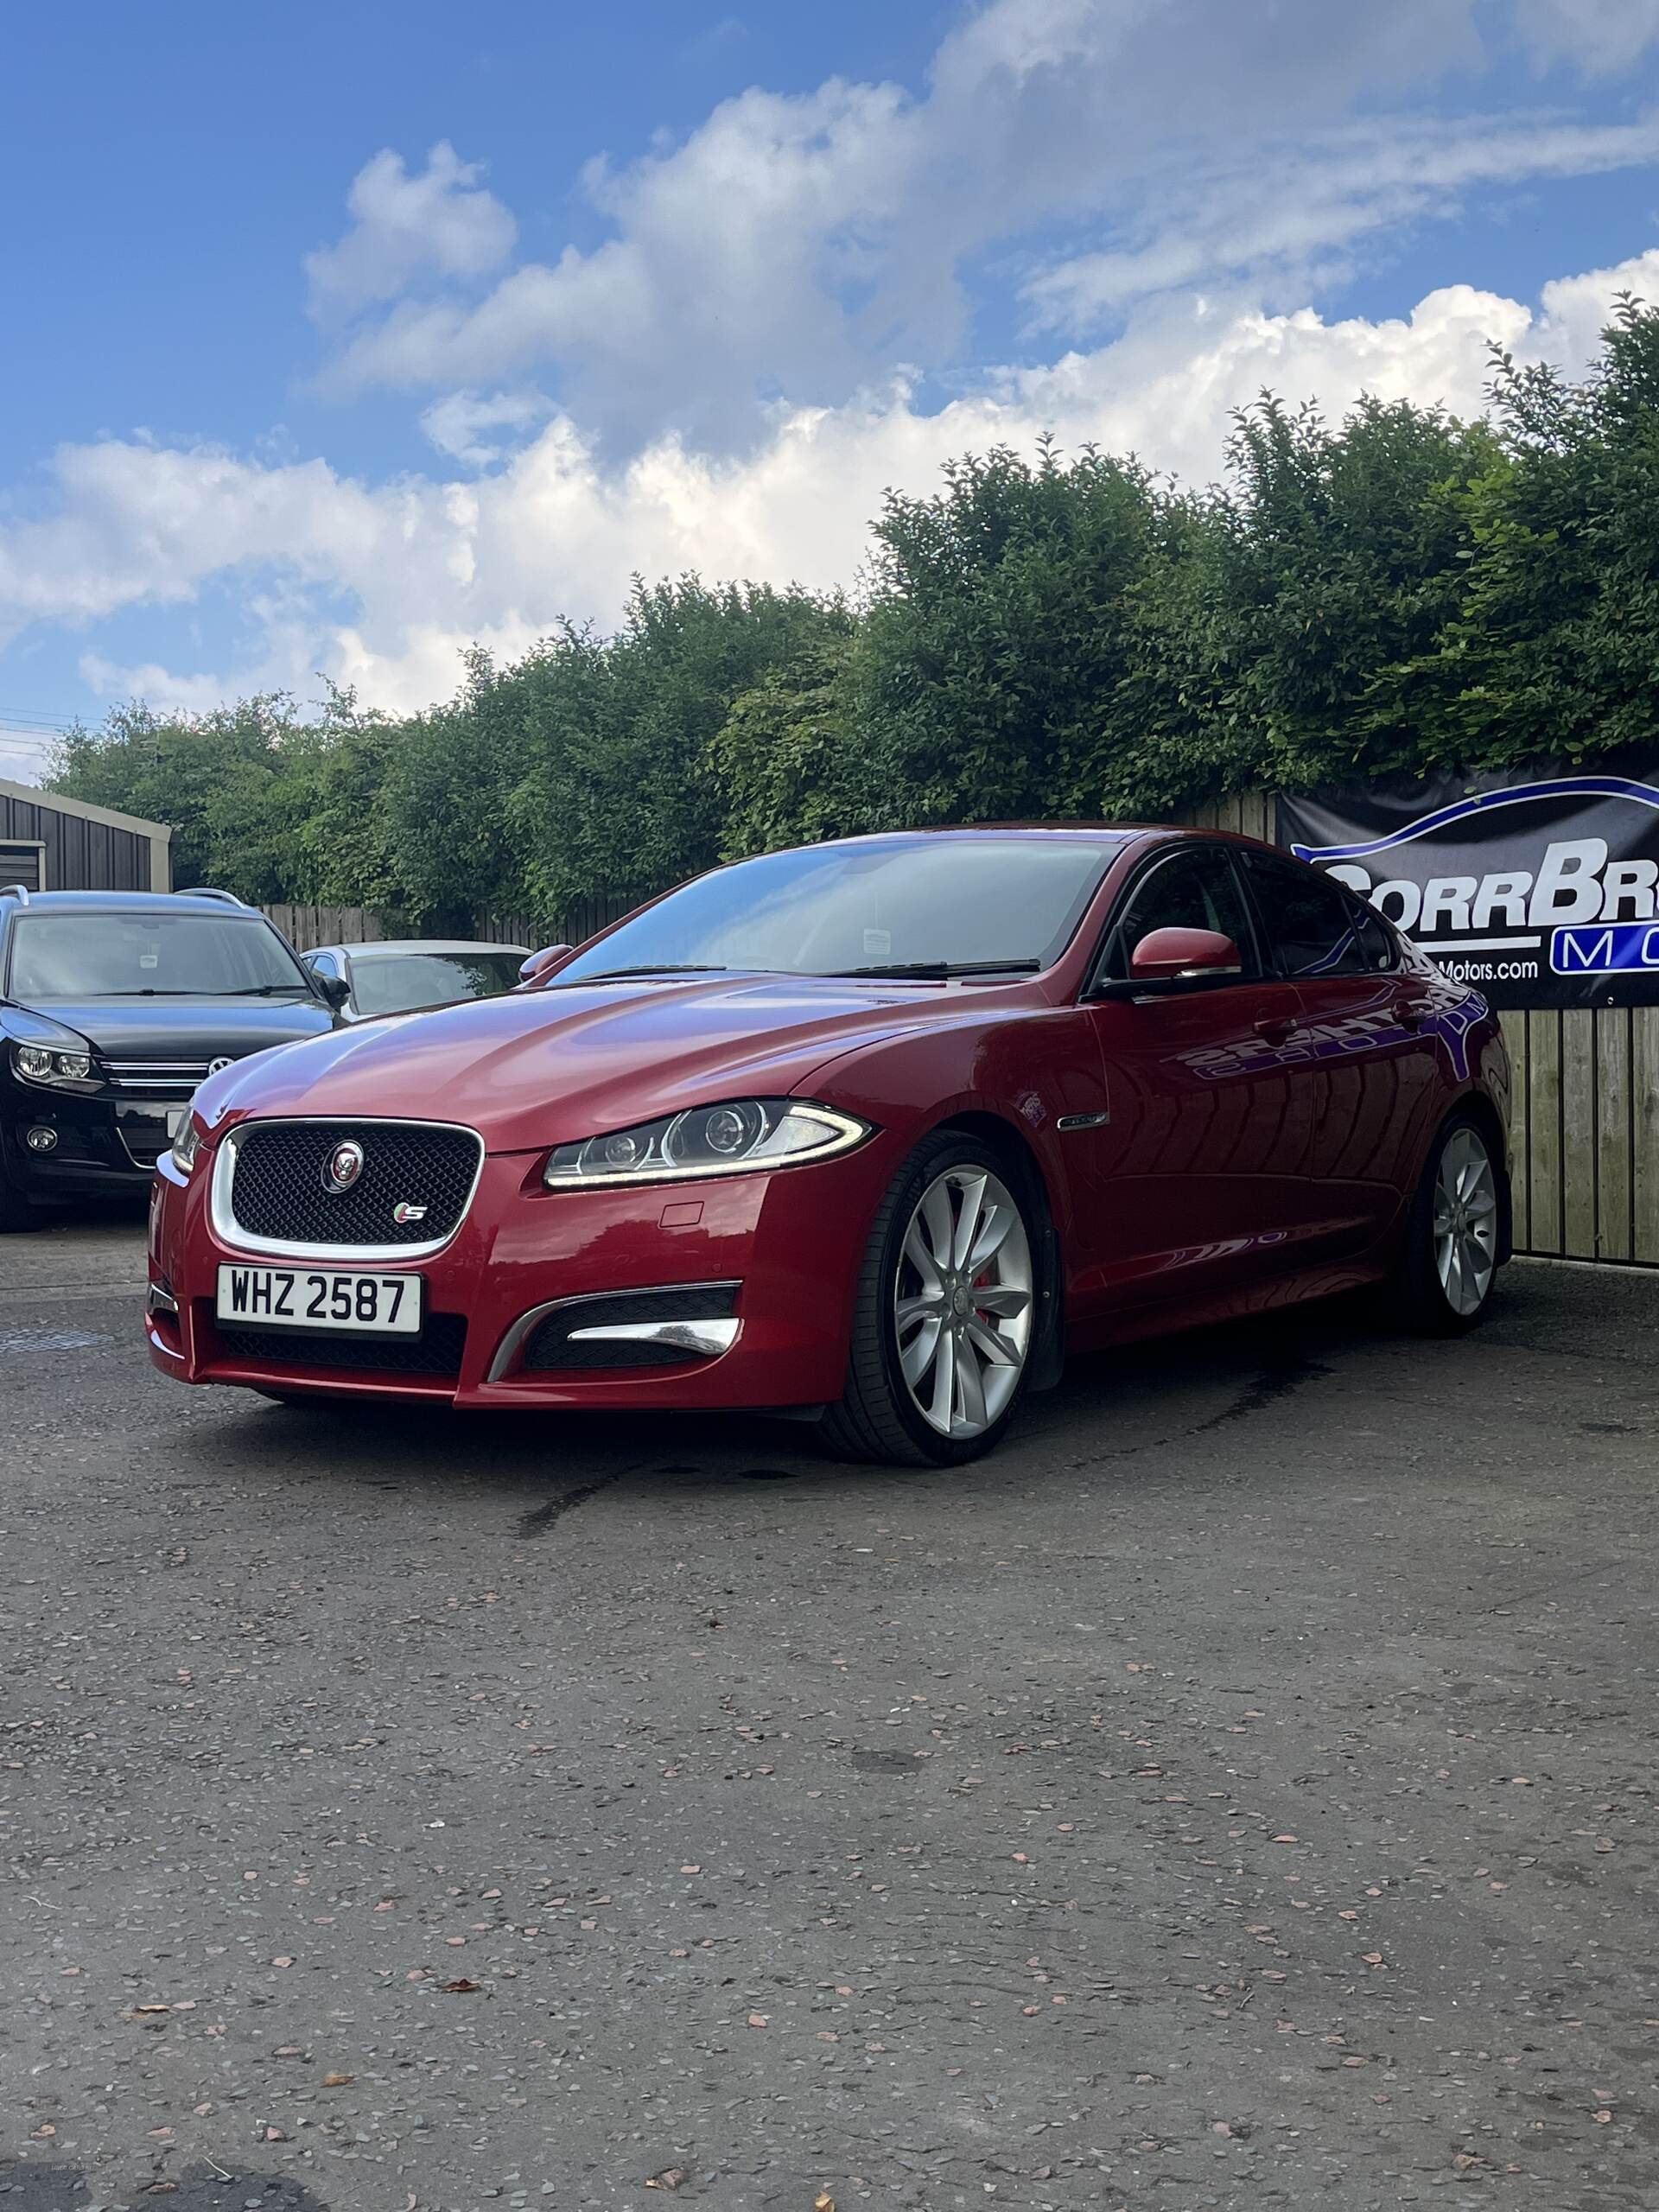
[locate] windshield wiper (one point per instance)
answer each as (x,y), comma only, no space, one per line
(256,991)
(249,991)
(940,971)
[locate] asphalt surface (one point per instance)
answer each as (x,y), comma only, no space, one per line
(1238,1792)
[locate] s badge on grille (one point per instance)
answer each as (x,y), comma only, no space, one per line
(343,1167)
(218,1066)
(404,1214)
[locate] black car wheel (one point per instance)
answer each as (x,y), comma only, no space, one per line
(944,1329)
(17,1213)
(1454,1235)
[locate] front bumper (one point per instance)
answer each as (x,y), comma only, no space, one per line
(791,1241)
(100,1147)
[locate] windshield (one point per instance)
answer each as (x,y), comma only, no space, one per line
(959,904)
(400,985)
(148,956)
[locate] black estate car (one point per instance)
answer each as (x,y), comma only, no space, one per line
(114,1007)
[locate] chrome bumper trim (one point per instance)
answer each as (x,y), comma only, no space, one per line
(705,1337)
(627,1331)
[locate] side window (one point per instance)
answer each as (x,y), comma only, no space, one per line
(1195,888)
(1378,951)
(1313,926)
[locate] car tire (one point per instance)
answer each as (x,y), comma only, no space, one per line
(1456,1234)
(944,1325)
(17,1213)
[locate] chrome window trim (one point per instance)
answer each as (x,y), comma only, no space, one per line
(1256,954)
(513,1342)
(228,1230)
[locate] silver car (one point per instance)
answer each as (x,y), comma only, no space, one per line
(403,976)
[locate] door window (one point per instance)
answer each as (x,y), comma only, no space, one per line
(1313,926)
(1195,888)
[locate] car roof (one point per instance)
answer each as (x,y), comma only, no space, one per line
(392,948)
(1112,834)
(129,902)
(1102,833)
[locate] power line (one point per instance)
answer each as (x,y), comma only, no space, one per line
(20,718)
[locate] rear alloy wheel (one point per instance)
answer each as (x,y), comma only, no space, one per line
(1447,1270)
(947,1305)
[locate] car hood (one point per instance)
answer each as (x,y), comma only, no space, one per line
(543,1067)
(179,1029)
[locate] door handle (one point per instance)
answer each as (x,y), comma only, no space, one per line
(1276,1028)
(1412,1018)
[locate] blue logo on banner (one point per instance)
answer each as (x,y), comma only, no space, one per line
(1482,803)
(1605,949)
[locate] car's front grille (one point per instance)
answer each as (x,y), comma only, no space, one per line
(436,1350)
(422,1172)
(156,1079)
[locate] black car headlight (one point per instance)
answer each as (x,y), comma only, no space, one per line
(738,1137)
(47,1063)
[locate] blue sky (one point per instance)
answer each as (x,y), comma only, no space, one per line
(339,336)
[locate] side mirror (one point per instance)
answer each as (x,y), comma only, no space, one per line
(1180,955)
(335,989)
(542,964)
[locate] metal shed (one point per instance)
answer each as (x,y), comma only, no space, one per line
(51,843)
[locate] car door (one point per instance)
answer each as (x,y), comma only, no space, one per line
(1370,1061)
(1196,1182)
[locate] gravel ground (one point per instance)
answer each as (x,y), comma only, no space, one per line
(1238,1792)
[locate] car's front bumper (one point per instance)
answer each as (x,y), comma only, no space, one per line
(792,1241)
(99,1146)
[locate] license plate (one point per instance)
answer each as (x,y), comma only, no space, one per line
(177,1118)
(321,1298)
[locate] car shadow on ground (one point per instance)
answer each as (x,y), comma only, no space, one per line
(1111,1404)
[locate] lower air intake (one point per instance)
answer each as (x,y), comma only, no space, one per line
(436,1350)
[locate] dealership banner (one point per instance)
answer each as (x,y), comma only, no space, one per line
(1539,886)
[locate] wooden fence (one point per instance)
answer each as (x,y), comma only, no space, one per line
(1584,1114)
(585,919)
(305,927)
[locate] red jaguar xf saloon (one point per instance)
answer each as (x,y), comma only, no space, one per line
(873,1133)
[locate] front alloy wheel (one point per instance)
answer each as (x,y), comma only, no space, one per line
(946,1318)
(962,1305)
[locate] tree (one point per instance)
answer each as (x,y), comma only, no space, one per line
(794,763)
(1052,637)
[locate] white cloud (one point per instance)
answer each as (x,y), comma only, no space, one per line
(803,245)
(457,424)
(383,587)
(1317,201)
(1593,35)
(438,223)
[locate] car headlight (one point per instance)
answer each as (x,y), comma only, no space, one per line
(738,1137)
(186,1146)
(45,1064)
